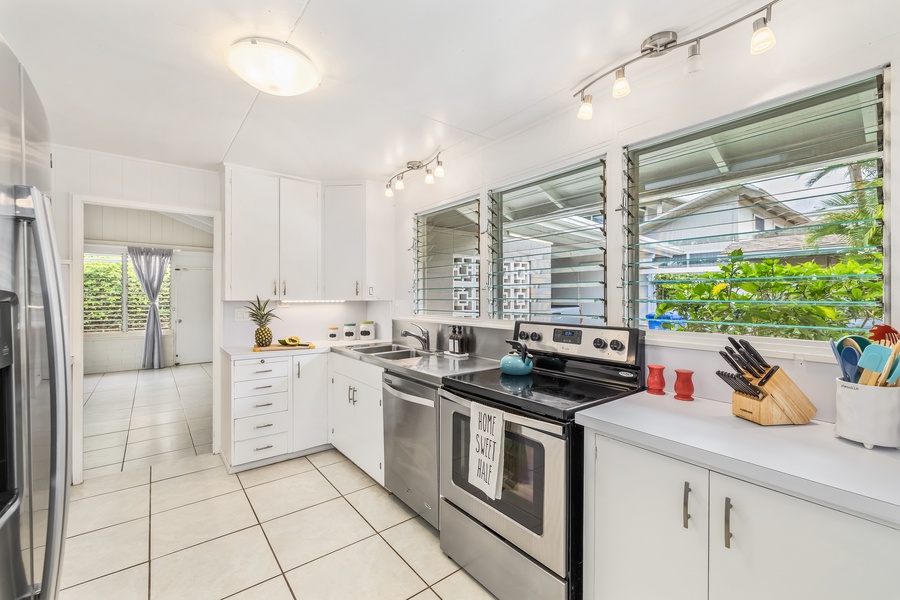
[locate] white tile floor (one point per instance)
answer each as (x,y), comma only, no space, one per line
(136,418)
(314,527)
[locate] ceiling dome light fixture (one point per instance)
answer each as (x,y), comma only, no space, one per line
(763,39)
(417,165)
(694,61)
(663,42)
(586,112)
(273,67)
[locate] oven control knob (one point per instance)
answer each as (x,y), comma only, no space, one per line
(535,336)
(523,335)
(600,343)
(616,345)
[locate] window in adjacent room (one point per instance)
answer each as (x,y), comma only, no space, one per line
(448,251)
(548,248)
(113,298)
(812,170)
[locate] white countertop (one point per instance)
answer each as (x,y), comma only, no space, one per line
(243,352)
(803,460)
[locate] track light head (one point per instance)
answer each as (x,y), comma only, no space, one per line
(763,39)
(398,183)
(439,169)
(694,60)
(586,112)
(388,192)
(429,176)
(620,86)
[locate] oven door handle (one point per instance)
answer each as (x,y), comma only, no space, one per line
(407,397)
(509,417)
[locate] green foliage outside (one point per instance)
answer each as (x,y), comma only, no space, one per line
(807,296)
(103,297)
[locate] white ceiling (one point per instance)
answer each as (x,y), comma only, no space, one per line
(402,79)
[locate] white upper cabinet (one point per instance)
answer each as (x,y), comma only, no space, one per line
(273,230)
(380,240)
(344,242)
(252,267)
(299,240)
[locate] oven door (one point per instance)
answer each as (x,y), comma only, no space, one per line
(531,512)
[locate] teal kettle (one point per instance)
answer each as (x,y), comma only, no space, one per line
(517,362)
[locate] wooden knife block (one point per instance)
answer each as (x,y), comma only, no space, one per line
(783,403)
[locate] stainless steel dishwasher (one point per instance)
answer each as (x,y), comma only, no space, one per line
(411,443)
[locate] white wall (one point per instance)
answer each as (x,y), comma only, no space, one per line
(77,171)
(111,352)
(821,44)
(114,224)
(307,320)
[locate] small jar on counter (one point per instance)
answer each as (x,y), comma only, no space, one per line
(334,333)
(367,330)
(349,331)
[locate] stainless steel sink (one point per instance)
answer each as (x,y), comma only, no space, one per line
(377,348)
(401,354)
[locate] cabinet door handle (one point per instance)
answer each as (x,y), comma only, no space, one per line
(275,287)
(265,371)
(298,370)
(262,387)
(354,395)
(262,448)
(728,536)
(262,405)
(357,288)
(349,394)
(284,288)
(685,515)
(264,426)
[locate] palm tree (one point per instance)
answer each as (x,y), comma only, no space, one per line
(854,215)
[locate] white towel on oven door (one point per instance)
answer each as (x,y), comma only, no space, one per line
(486,438)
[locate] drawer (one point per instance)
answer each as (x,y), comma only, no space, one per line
(260,405)
(260,369)
(259,387)
(262,425)
(259,448)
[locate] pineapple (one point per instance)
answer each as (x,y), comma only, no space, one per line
(261,316)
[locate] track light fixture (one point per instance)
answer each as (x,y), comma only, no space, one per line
(763,39)
(416,165)
(664,42)
(694,61)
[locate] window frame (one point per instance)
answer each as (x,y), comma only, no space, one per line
(632,213)
(494,232)
(125,261)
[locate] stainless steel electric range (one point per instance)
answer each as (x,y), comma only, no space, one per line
(527,544)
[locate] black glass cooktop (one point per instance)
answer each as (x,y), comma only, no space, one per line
(542,393)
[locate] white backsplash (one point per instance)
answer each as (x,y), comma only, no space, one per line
(308,321)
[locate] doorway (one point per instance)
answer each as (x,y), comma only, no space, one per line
(126,417)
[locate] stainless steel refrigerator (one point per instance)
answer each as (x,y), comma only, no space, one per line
(35,382)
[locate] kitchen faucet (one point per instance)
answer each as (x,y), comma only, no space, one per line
(424,339)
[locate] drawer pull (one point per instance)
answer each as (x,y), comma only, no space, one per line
(266,371)
(264,426)
(262,387)
(262,405)
(685,515)
(262,448)
(728,536)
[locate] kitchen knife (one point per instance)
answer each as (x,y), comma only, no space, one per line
(734,356)
(759,371)
(731,362)
(747,387)
(726,377)
(755,354)
(739,359)
(768,376)
(734,343)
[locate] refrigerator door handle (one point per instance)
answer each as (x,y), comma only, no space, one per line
(57,345)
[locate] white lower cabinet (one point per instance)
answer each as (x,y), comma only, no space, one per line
(278,407)
(355,418)
(310,401)
(652,537)
(646,547)
(785,548)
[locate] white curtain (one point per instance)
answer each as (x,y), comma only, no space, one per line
(150,265)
